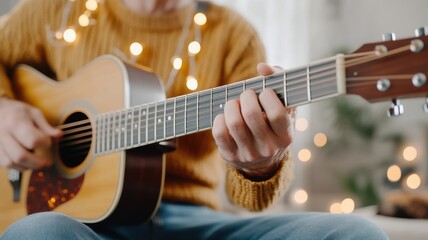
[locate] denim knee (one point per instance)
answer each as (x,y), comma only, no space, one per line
(48,225)
(354,227)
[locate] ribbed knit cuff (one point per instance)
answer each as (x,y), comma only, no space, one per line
(256,196)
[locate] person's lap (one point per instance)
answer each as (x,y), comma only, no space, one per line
(180,221)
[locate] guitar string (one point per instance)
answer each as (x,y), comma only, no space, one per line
(352,55)
(232,95)
(150,126)
(352,63)
(370,58)
(289,84)
(68,125)
(118,135)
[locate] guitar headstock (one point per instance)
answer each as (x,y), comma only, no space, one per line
(389,69)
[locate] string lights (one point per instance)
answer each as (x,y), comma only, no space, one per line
(67,35)
(410,181)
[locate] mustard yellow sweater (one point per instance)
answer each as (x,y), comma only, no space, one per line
(230,51)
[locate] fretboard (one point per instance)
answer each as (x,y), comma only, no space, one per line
(155,122)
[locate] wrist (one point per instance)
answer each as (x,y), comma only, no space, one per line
(261,174)
(266,172)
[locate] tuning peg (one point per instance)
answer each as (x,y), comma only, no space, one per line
(422,31)
(425,106)
(396,108)
(388,37)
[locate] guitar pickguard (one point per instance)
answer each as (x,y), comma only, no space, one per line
(47,190)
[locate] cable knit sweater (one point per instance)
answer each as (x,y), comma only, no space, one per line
(230,51)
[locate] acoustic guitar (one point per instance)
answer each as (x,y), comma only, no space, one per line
(109,165)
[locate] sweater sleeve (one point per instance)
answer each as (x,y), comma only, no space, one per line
(245,52)
(257,196)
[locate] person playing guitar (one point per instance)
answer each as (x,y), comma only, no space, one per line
(91,154)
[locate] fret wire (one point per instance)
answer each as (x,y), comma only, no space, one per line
(97,134)
(211,107)
(139,124)
(125,129)
(100,134)
(137,118)
(164,119)
(185,114)
(104,132)
(133,126)
(175,107)
(114,131)
(197,111)
(111,132)
(108,132)
(147,123)
(225,95)
(122,132)
(119,122)
(155,122)
(285,89)
(264,83)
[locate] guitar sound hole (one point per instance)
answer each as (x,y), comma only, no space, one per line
(76,142)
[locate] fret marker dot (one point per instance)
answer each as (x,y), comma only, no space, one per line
(159,120)
(144,112)
(123,129)
(221,105)
(169,118)
(135,125)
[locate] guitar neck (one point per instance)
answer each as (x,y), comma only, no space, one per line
(155,122)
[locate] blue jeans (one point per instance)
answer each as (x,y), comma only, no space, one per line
(179,221)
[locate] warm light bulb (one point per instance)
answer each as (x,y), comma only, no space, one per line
(413,181)
(300,196)
(91,5)
(177,62)
(194,47)
(69,35)
(335,208)
(347,205)
(393,173)
(191,83)
(410,153)
(200,19)
(320,139)
(58,35)
(83,20)
(136,48)
(301,124)
(304,155)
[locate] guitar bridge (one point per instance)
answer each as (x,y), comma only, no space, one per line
(15,177)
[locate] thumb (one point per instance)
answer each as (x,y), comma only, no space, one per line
(265,69)
(43,124)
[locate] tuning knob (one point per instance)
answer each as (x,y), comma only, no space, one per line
(396,108)
(422,31)
(425,106)
(388,37)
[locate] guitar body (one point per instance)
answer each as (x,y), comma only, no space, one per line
(122,187)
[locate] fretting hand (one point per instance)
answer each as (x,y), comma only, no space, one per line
(252,134)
